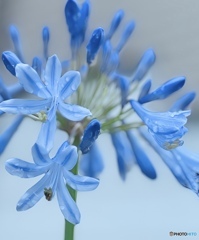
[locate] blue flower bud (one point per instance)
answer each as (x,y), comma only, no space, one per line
(110,59)
(125,36)
(45,37)
(37,65)
(145,63)
(183,102)
(94,44)
(16,41)
(76,20)
(10,61)
(164,90)
(91,133)
(145,89)
(115,23)
(141,157)
(124,85)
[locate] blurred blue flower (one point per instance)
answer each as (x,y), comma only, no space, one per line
(77,19)
(91,163)
(57,175)
(183,163)
(125,157)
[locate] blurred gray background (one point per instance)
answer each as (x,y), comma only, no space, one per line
(135,209)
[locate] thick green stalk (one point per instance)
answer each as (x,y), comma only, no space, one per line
(69,227)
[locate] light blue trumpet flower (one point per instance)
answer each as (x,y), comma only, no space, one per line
(57,175)
(52,93)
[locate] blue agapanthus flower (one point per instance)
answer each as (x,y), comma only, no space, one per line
(166,127)
(57,175)
(118,103)
(54,89)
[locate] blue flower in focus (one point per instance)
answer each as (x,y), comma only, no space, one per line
(53,90)
(167,128)
(57,175)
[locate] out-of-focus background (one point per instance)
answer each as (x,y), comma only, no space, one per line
(135,209)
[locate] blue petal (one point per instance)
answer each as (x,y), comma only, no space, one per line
(183,102)
(115,23)
(8,133)
(91,133)
(31,81)
(66,156)
(141,156)
(10,61)
(33,195)
(25,106)
(47,132)
(52,74)
(24,169)
(68,84)
(92,164)
(144,65)
(73,112)
(67,204)
(40,155)
(164,90)
(80,183)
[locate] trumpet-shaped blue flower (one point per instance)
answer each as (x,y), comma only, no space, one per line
(53,90)
(183,163)
(57,175)
(167,128)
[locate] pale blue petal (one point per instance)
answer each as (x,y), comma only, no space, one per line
(47,132)
(40,155)
(33,195)
(69,83)
(31,81)
(73,112)
(67,204)
(80,183)
(66,156)
(25,106)
(52,73)
(24,169)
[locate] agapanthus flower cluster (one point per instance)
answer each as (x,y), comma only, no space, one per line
(87,97)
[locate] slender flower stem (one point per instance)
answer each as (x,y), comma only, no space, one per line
(69,227)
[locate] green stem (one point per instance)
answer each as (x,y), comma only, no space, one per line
(69,227)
